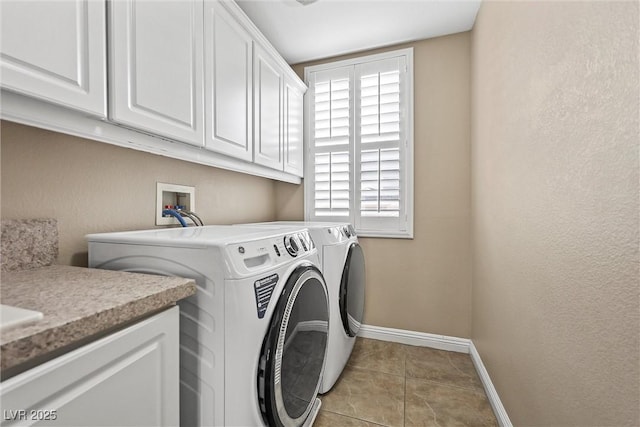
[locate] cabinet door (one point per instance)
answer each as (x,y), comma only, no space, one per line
(268,110)
(55,51)
(228,83)
(129,378)
(293,139)
(156,76)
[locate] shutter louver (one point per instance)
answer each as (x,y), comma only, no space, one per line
(331,139)
(380,182)
(332,113)
(380,107)
(380,144)
(332,184)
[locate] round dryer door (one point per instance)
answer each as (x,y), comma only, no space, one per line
(294,350)
(352,290)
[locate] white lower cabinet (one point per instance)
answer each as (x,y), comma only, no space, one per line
(156,71)
(128,378)
(55,51)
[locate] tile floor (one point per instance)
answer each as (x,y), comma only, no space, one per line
(392,384)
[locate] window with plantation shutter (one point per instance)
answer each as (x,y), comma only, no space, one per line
(331,133)
(359,143)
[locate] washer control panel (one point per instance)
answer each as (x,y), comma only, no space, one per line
(298,243)
(255,255)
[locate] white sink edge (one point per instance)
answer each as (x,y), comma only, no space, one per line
(11,317)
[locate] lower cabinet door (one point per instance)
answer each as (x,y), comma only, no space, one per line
(129,378)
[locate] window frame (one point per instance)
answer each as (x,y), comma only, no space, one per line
(405,230)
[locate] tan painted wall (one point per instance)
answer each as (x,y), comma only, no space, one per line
(424,284)
(95,187)
(555,209)
(289,201)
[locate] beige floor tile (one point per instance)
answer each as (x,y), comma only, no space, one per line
(379,356)
(367,395)
(432,404)
(329,419)
(442,366)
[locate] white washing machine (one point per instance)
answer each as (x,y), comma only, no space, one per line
(342,264)
(253,339)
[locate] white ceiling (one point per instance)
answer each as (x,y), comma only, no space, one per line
(328,28)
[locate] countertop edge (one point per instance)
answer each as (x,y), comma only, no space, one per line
(22,350)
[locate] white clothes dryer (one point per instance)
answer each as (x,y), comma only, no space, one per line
(253,339)
(343,266)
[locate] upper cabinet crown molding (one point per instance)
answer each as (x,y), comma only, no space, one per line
(56,51)
(156,70)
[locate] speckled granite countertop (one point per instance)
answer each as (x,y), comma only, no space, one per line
(79,303)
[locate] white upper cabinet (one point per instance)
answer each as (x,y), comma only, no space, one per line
(293,127)
(156,70)
(55,51)
(267,110)
(228,83)
(189,79)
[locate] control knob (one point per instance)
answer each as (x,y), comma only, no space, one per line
(291,245)
(303,241)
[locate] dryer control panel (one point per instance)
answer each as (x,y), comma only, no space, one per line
(348,231)
(338,234)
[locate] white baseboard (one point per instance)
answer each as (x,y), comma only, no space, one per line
(443,342)
(440,342)
(489,389)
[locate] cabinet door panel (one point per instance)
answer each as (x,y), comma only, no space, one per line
(293,144)
(156,67)
(129,378)
(228,82)
(268,111)
(55,50)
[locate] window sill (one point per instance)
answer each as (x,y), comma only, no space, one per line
(385,234)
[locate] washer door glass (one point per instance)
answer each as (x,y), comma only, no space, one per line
(352,290)
(294,350)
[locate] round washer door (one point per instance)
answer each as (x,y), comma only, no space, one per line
(294,350)
(352,290)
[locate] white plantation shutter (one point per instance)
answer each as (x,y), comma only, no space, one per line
(332,184)
(331,107)
(380,183)
(330,142)
(381,136)
(359,144)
